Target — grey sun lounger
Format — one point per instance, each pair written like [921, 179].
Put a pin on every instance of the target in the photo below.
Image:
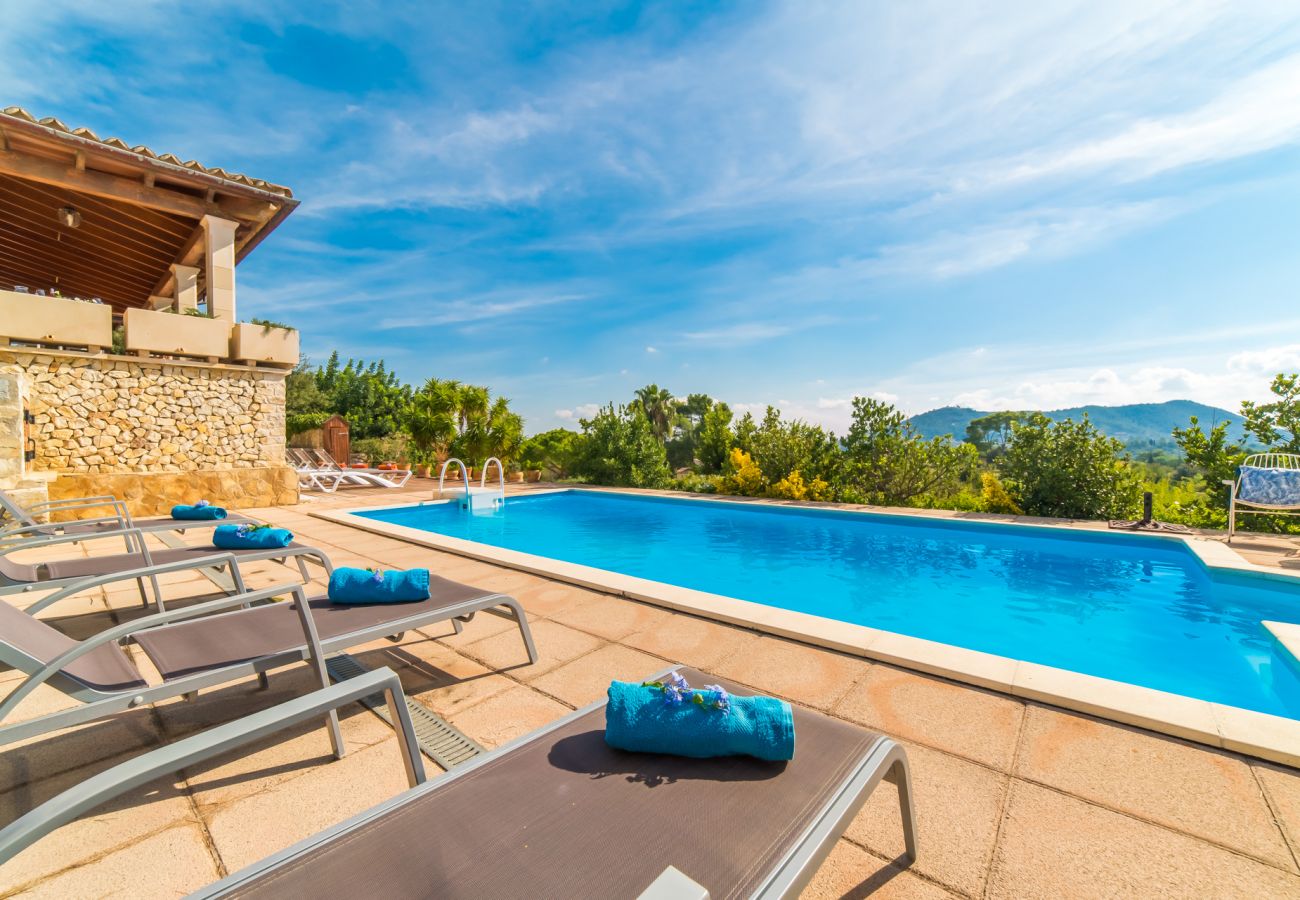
[210, 643]
[26, 519]
[19, 577]
[557, 813]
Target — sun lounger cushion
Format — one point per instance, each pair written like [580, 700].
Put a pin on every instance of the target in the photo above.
[640, 718]
[350, 585]
[187, 511]
[1269, 487]
[240, 537]
[566, 815]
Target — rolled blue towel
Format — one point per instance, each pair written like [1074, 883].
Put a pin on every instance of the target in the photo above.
[186, 511]
[638, 718]
[349, 585]
[241, 537]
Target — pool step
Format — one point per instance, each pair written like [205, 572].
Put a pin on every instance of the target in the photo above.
[1288, 635]
[438, 738]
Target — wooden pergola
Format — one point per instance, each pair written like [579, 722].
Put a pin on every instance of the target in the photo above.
[98, 218]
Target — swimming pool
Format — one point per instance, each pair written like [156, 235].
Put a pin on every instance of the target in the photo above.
[1134, 609]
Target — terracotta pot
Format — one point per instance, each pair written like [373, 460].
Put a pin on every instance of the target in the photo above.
[514, 477]
[422, 471]
[533, 475]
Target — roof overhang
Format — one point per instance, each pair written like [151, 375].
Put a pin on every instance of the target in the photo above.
[139, 212]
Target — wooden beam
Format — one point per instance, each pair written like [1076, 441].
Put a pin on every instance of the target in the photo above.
[114, 187]
[81, 161]
[191, 251]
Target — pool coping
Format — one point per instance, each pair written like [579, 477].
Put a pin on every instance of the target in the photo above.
[1275, 738]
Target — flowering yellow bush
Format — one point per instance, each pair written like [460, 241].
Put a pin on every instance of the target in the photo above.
[995, 497]
[743, 476]
[793, 487]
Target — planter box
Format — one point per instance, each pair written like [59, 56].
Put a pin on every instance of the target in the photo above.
[55, 320]
[260, 344]
[148, 331]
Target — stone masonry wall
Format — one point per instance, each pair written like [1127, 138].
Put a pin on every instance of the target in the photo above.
[153, 432]
[103, 414]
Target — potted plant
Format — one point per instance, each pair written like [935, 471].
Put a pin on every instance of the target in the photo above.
[264, 341]
[533, 475]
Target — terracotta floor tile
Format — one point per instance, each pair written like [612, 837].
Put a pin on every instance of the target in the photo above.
[556, 645]
[1211, 795]
[613, 618]
[695, 642]
[958, 806]
[587, 678]
[851, 872]
[547, 598]
[507, 715]
[979, 725]
[1055, 846]
[1282, 785]
[114, 824]
[807, 675]
[177, 862]
[265, 821]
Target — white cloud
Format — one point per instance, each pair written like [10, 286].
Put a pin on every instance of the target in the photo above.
[585, 411]
[651, 350]
[1241, 376]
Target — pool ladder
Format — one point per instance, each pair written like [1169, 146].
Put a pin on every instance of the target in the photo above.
[477, 499]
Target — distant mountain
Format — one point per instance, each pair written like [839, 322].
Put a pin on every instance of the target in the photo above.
[1138, 425]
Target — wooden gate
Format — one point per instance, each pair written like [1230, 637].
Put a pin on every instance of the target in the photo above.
[335, 439]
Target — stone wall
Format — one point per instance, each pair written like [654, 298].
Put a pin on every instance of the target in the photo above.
[154, 494]
[97, 418]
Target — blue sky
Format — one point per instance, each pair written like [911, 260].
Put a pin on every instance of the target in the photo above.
[772, 203]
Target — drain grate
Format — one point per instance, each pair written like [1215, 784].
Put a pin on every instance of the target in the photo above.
[439, 740]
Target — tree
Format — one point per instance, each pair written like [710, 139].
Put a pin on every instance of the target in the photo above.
[370, 397]
[780, 447]
[553, 451]
[886, 461]
[620, 447]
[1069, 469]
[714, 439]
[1212, 455]
[1276, 425]
[305, 405]
[660, 409]
[990, 434]
[433, 416]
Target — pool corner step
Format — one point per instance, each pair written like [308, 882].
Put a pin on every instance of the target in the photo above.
[1288, 635]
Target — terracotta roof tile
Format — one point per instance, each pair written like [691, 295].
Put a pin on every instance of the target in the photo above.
[17, 112]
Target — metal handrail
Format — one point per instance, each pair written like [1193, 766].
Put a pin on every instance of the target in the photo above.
[501, 473]
[464, 474]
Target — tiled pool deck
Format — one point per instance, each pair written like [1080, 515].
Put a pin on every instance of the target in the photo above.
[1014, 798]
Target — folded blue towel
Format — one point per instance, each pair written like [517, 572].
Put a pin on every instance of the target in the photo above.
[638, 718]
[240, 537]
[185, 511]
[349, 585]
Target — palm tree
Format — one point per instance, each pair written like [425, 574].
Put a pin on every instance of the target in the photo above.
[660, 407]
[434, 415]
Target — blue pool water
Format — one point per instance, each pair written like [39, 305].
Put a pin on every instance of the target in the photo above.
[1131, 608]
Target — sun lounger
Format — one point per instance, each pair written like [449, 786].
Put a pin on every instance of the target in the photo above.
[192, 653]
[371, 477]
[23, 521]
[74, 572]
[312, 477]
[1266, 483]
[558, 813]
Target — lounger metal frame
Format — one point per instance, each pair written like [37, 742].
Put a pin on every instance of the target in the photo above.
[885, 760]
[71, 804]
[100, 704]
[22, 522]
[150, 570]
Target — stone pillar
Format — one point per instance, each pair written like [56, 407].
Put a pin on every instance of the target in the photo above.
[219, 259]
[11, 426]
[187, 287]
